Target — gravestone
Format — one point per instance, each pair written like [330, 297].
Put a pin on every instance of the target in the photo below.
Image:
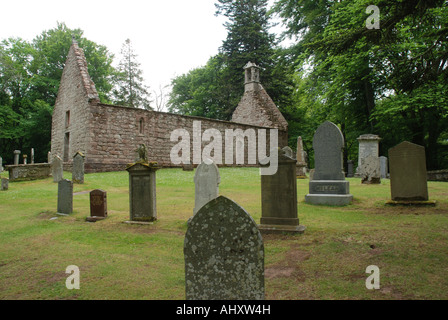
[279, 197]
[98, 205]
[370, 171]
[224, 254]
[65, 197]
[206, 181]
[408, 175]
[384, 168]
[350, 169]
[5, 184]
[57, 169]
[328, 186]
[49, 158]
[368, 145]
[16, 157]
[25, 159]
[78, 168]
[301, 160]
[142, 191]
[32, 155]
[1, 164]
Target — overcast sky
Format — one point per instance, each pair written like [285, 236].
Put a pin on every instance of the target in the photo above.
[170, 37]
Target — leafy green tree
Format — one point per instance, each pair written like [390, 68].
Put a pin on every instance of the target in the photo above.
[130, 90]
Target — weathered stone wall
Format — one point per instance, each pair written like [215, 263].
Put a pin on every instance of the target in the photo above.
[440, 175]
[73, 97]
[116, 132]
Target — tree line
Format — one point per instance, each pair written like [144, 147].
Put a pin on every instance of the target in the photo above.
[391, 81]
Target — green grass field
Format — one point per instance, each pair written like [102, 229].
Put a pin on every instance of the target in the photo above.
[120, 261]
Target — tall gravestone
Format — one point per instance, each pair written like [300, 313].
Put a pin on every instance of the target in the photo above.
[78, 168]
[65, 197]
[206, 181]
[301, 160]
[49, 157]
[17, 157]
[57, 169]
[370, 171]
[1, 164]
[32, 155]
[368, 145]
[224, 254]
[384, 167]
[408, 175]
[142, 188]
[329, 186]
[279, 197]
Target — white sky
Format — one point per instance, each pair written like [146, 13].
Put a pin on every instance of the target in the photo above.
[170, 37]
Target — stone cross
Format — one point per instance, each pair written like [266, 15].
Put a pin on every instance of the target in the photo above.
[224, 254]
[78, 168]
[65, 197]
[408, 175]
[329, 186]
[16, 157]
[206, 182]
[57, 169]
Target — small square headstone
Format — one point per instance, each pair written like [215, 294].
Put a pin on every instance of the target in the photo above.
[5, 184]
[98, 205]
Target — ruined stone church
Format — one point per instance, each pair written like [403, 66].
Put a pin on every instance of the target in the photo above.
[108, 135]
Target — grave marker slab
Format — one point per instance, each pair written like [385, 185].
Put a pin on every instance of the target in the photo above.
[328, 185]
[408, 175]
[384, 167]
[224, 254]
[142, 192]
[65, 197]
[57, 169]
[206, 181]
[368, 145]
[279, 197]
[98, 205]
[1, 164]
[5, 184]
[370, 171]
[16, 157]
[301, 160]
[78, 168]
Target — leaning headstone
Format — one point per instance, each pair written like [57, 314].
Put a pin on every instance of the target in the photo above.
[384, 167]
[78, 168]
[206, 181]
[408, 175]
[65, 197]
[279, 197]
[98, 205]
[224, 254]
[5, 184]
[301, 160]
[370, 170]
[368, 145]
[329, 186]
[142, 191]
[57, 169]
[17, 157]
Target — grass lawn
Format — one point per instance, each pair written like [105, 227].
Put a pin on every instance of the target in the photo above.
[120, 261]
